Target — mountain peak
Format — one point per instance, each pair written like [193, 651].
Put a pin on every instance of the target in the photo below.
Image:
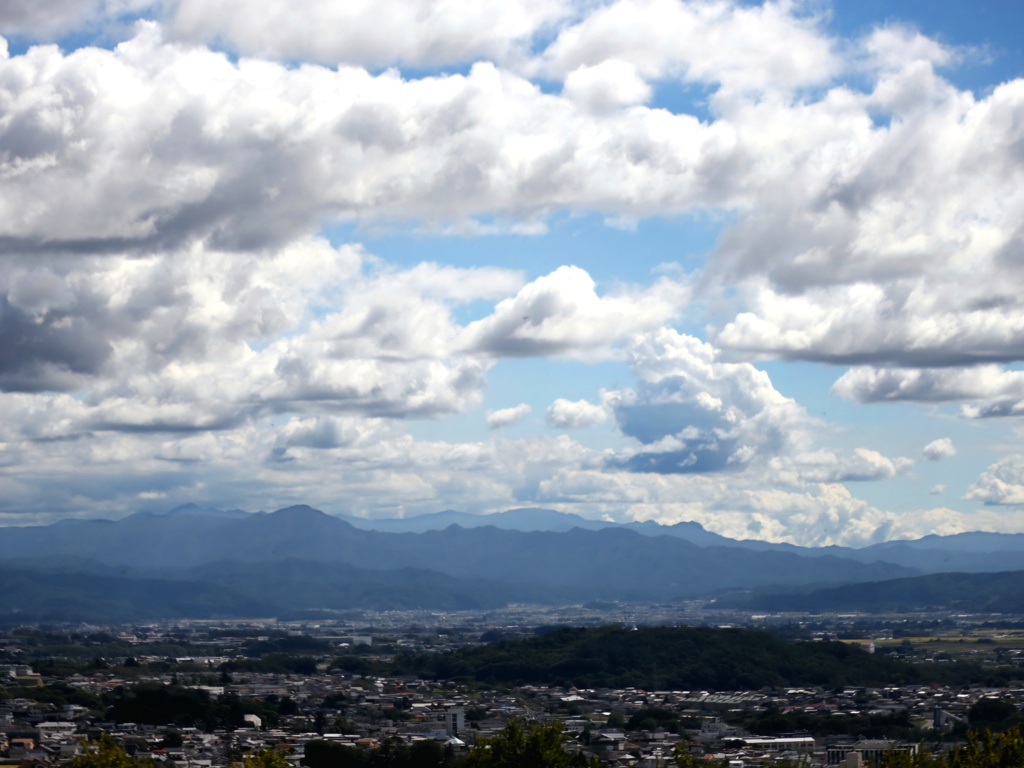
[192, 509]
[300, 511]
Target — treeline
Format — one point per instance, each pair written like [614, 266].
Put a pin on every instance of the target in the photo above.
[390, 754]
[669, 658]
[882, 725]
[533, 745]
[162, 704]
[157, 704]
[519, 745]
[981, 749]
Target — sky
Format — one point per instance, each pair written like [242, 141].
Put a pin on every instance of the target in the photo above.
[754, 265]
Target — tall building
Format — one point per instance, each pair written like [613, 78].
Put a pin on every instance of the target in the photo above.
[454, 721]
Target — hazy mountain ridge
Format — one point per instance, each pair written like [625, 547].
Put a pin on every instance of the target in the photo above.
[299, 557]
[616, 558]
[30, 592]
[1001, 592]
[976, 551]
[32, 596]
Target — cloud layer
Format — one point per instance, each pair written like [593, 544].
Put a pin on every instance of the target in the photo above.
[180, 319]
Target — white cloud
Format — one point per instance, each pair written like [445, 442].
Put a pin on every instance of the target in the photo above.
[202, 339]
[608, 85]
[154, 144]
[895, 244]
[569, 414]
[38, 21]
[85, 318]
[740, 47]
[506, 417]
[562, 314]
[755, 505]
[842, 223]
[941, 448]
[418, 33]
[379, 470]
[328, 432]
[937, 489]
[157, 143]
[991, 383]
[942, 521]
[894, 47]
[164, 307]
[990, 390]
[862, 465]
[1002, 483]
[695, 413]
[737, 45]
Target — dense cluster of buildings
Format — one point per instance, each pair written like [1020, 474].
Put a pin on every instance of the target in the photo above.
[364, 712]
[621, 727]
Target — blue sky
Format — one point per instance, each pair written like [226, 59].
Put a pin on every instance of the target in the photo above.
[749, 264]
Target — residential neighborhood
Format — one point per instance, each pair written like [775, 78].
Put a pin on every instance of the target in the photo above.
[618, 726]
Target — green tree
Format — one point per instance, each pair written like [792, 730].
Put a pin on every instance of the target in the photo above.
[104, 752]
[264, 758]
[985, 750]
[172, 738]
[523, 746]
[329, 754]
[682, 758]
[901, 758]
[430, 754]
[991, 713]
[982, 749]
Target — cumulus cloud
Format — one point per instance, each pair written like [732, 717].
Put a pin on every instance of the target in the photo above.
[695, 413]
[84, 319]
[607, 85]
[379, 469]
[992, 383]
[38, 21]
[941, 448]
[863, 465]
[569, 414]
[165, 307]
[506, 417]
[418, 33]
[54, 351]
[327, 432]
[853, 241]
[721, 42]
[994, 409]
[893, 46]
[207, 339]
[900, 253]
[1001, 484]
[937, 489]
[756, 505]
[990, 391]
[562, 314]
[736, 46]
[155, 144]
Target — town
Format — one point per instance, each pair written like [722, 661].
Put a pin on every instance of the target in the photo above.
[206, 693]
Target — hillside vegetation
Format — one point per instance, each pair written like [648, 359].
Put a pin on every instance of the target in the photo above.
[672, 658]
[971, 592]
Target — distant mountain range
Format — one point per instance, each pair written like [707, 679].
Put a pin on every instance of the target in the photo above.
[968, 552]
[236, 563]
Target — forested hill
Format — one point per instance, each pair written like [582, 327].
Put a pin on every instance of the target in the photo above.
[668, 658]
[973, 592]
